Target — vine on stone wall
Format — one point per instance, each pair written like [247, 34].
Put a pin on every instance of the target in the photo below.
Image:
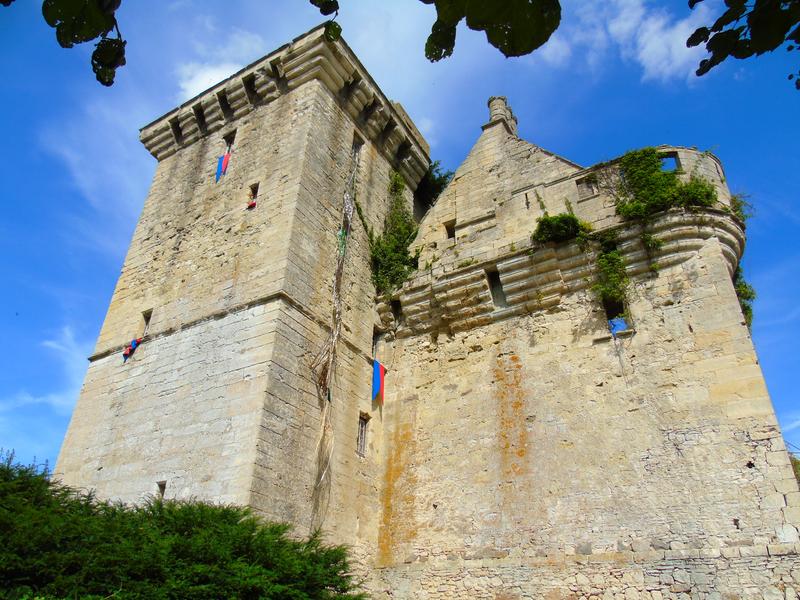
[612, 280]
[390, 258]
[559, 228]
[746, 294]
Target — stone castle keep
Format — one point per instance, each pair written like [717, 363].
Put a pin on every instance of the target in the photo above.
[521, 451]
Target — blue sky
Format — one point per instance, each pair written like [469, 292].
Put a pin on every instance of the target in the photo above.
[616, 76]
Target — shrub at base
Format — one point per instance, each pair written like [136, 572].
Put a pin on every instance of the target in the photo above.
[59, 543]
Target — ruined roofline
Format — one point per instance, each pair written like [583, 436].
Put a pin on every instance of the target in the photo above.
[537, 277]
[308, 57]
[584, 171]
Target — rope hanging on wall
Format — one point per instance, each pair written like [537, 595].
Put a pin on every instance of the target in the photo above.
[324, 362]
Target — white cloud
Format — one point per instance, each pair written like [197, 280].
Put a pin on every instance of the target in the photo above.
[70, 355]
[651, 37]
[216, 63]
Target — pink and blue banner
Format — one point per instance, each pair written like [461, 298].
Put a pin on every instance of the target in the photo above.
[378, 377]
[222, 165]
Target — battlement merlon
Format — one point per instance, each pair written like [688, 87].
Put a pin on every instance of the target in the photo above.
[308, 57]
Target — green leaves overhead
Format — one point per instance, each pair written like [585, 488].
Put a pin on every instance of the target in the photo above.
[108, 56]
[515, 27]
[748, 28]
[78, 21]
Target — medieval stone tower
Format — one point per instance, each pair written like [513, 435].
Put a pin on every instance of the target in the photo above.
[522, 451]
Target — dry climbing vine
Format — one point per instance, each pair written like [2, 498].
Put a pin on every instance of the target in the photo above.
[324, 362]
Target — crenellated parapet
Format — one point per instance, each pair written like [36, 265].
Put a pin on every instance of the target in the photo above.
[307, 58]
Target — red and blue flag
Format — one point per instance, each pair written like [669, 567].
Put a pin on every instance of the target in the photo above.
[378, 377]
[222, 165]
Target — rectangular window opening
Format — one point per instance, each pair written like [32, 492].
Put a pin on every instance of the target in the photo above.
[669, 161]
[200, 117]
[613, 308]
[397, 311]
[162, 488]
[253, 191]
[229, 138]
[177, 132]
[587, 187]
[224, 105]
[361, 441]
[377, 334]
[146, 316]
[496, 288]
[358, 144]
[249, 83]
[450, 228]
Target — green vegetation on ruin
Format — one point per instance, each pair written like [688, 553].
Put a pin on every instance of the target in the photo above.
[390, 257]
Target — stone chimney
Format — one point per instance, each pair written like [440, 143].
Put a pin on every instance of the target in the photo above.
[500, 111]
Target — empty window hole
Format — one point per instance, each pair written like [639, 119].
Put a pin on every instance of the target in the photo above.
[229, 139]
[496, 288]
[736, 523]
[146, 316]
[397, 311]
[669, 162]
[361, 441]
[613, 308]
[162, 488]
[253, 191]
[450, 228]
[377, 334]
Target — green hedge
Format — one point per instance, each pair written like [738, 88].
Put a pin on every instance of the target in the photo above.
[59, 543]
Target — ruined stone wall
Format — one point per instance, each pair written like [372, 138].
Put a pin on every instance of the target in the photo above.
[531, 455]
[541, 436]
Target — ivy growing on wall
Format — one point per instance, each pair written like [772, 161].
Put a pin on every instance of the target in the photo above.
[612, 280]
[559, 228]
[746, 294]
[644, 188]
[390, 258]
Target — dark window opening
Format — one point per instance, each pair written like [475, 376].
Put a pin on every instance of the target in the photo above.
[200, 117]
[669, 162]
[162, 487]
[224, 105]
[496, 288]
[177, 132]
[361, 441]
[450, 228]
[146, 316]
[253, 191]
[250, 90]
[229, 139]
[377, 334]
[358, 143]
[613, 308]
[397, 311]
